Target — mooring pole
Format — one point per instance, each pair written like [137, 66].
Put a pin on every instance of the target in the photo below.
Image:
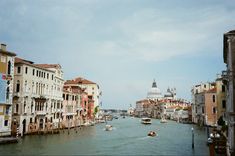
[192, 138]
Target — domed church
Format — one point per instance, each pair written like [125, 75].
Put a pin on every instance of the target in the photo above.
[154, 93]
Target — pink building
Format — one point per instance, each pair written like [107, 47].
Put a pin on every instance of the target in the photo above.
[71, 107]
[210, 107]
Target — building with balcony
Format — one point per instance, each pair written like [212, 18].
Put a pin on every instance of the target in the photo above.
[72, 110]
[198, 101]
[91, 88]
[6, 89]
[37, 100]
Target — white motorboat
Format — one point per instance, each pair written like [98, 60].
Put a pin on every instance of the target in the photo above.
[163, 121]
[146, 121]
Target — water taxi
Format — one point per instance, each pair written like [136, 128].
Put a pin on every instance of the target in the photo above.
[146, 121]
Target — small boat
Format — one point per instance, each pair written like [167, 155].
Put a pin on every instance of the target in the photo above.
[108, 127]
[115, 117]
[146, 121]
[163, 121]
[152, 133]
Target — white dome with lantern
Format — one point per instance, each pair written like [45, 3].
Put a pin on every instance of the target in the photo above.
[154, 92]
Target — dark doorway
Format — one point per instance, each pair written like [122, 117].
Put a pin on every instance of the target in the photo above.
[41, 124]
[24, 126]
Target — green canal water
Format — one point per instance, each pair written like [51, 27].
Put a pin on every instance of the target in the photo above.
[129, 137]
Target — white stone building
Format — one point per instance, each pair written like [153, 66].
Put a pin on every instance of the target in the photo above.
[37, 98]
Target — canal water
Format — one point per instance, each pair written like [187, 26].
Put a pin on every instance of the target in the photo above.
[129, 137]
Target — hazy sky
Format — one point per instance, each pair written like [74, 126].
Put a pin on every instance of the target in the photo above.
[122, 44]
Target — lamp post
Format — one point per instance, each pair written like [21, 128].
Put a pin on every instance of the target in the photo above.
[192, 138]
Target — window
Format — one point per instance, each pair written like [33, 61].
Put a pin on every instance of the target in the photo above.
[214, 110]
[17, 108]
[32, 107]
[9, 68]
[204, 86]
[223, 88]
[31, 120]
[7, 93]
[6, 123]
[64, 96]
[26, 70]
[18, 70]
[33, 72]
[3, 59]
[213, 98]
[7, 109]
[47, 76]
[52, 76]
[37, 73]
[18, 86]
[202, 110]
[223, 103]
[24, 106]
[67, 97]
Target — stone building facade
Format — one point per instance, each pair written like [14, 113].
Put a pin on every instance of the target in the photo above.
[6, 89]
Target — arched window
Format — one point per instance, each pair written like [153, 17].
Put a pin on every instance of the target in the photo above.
[32, 87]
[24, 106]
[213, 98]
[32, 107]
[18, 86]
[25, 86]
[36, 88]
[17, 108]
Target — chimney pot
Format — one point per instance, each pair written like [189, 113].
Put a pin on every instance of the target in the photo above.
[3, 47]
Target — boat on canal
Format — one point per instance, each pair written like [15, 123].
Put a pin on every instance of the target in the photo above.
[152, 134]
[146, 121]
[108, 127]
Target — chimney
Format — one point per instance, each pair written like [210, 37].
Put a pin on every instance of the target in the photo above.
[3, 47]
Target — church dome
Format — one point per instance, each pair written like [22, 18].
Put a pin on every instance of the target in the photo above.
[154, 92]
[169, 93]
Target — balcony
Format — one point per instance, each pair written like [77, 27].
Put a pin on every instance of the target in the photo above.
[17, 94]
[69, 113]
[79, 108]
[40, 112]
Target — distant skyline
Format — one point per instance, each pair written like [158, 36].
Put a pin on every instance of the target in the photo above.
[122, 45]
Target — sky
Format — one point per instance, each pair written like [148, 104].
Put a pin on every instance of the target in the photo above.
[122, 45]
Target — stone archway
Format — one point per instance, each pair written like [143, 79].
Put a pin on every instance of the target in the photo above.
[41, 124]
